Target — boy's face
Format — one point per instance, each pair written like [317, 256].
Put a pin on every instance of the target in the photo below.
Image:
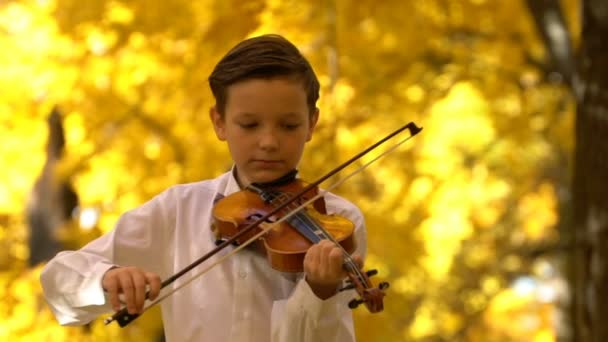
[266, 124]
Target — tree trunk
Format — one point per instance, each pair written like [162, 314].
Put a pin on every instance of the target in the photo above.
[590, 185]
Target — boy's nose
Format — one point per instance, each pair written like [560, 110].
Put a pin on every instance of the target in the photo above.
[269, 141]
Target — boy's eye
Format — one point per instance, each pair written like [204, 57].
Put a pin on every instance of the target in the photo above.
[291, 125]
[248, 125]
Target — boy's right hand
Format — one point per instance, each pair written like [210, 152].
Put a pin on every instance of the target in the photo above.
[132, 283]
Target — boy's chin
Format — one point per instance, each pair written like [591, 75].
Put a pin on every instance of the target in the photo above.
[265, 176]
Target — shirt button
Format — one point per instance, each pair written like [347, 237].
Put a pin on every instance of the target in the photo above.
[243, 274]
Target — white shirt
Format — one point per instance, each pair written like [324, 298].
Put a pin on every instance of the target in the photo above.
[241, 299]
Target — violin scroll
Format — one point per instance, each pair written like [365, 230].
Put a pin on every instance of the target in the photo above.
[372, 297]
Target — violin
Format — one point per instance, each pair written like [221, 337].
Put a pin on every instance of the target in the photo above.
[280, 221]
[286, 244]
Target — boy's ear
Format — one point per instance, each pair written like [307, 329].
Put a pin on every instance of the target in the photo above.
[313, 122]
[218, 123]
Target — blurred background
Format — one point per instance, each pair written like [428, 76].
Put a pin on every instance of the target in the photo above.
[104, 104]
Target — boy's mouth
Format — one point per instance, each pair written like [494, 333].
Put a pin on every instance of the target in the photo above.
[266, 163]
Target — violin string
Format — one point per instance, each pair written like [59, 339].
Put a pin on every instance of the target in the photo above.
[264, 230]
[310, 223]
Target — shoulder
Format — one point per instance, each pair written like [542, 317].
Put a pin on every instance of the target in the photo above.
[181, 194]
[338, 205]
[194, 189]
[341, 206]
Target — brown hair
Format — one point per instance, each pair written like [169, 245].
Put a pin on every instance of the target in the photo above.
[265, 56]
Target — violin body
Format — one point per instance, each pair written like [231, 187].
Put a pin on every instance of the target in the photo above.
[284, 246]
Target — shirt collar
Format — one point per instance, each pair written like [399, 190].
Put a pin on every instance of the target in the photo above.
[232, 185]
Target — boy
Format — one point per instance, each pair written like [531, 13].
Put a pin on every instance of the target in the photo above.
[265, 110]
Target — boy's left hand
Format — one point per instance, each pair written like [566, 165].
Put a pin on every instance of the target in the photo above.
[323, 268]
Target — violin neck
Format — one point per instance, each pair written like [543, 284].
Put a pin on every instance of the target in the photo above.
[310, 228]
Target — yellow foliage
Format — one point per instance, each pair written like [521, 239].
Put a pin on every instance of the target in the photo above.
[544, 335]
[490, 285]
[119, 13]
[97, 40]
[423, 325]
[461, 120]
[442, 237]
[539, 213]
[513, 314]
[415, 93]
[420, 189]
[131, 83]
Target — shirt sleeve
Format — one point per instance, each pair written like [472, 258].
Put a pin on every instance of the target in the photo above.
[71, 281]
[303, 317]
[306, 318]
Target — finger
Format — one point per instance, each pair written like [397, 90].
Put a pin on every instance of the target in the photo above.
[335, 261]
[326, 243]
[154, 282]
[325, 261]
[111, 286]
[358, 260]
[128, 290]
[139, 289]
[311, 261]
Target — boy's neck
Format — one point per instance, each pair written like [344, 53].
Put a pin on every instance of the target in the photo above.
[283, 180]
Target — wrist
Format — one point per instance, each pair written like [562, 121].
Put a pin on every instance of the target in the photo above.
[323, 290]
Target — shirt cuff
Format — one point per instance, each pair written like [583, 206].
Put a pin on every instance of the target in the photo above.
[91, 291]
[315, 307]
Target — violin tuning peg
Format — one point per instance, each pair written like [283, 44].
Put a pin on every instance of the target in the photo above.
[371, 273]
[355, 302]
[383, 285]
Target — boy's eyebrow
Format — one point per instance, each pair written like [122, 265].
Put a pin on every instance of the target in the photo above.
[255, 115]
[290, 114]
[245, 114]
